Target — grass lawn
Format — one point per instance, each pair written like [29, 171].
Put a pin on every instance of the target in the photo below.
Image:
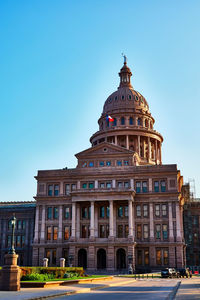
[66, 279]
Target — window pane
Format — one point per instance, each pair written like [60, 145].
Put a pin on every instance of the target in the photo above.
[158, 230]
[146, 231]
[138, 187]
[18, 241]
[23, 240]
[49, 213]
[126, 162]
[139, 256]
[158, 257]
[107, 211]
[55, 233]
[165, 233]
[157, 210]
[84, 185]
[102, 185]
[120, 184]
[156, 186]
[139, 231]
[126, 211]
[144, 186]
[102, 212]
[119, 163]
[56, 190]
[67, 213]
[102, 231]
[73, 187]
[48, 233]
[91, 185]
[84, 231]
[146, 257]
[145, 210]
[23, 224]
[163, 186]
[19, 224]
[126, 184]
[166, 257]
[126, 231]
[120, 231]
[84, 212]
[55, 213]
[66, 232]
[120, 211]
[164, 209]
[54, 257]
[67, 189]
[50, 190]
[108, 185]
[108, 163]
[138, 211]
[101, 163]
[91, 164]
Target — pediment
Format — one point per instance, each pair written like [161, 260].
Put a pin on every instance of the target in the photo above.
[104, 149]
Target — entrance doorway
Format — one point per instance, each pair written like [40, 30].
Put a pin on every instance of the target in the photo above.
[82, 258]
[101, 259]
[121, 259]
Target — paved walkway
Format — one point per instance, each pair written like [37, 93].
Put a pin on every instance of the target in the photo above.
[39, 293]
[189, 289]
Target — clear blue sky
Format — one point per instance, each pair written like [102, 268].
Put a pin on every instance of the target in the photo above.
[60, 61]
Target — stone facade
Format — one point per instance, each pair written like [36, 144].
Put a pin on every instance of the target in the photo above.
[120, 206]
[25, 215]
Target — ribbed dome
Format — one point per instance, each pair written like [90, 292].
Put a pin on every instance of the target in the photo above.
[125, 99]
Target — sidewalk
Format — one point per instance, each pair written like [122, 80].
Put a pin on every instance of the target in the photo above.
[189, 289]
[39, 293]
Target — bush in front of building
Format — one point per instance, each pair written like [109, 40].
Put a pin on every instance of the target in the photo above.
[37, 277]
[57, 272]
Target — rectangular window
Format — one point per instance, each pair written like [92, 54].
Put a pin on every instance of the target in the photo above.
[91, 164]
[108, 163]
[126, 185]
[126, 211]
[49, 213]
[23, 240]
[164, 210]
[102, 212]
[67, 189]
[138, 211]
[145, 210]
[18, 242]
[126, 231]
[166, 257]
[56, 190]
[9, 241]
[19, 224]
[54, 257]
[108, 185]
[55, 233]
[120, 212]
[91, 185]
[163, 186]
[146, 257]
[126, 163]
[84, 231]
[73, 187]
[158, 231]
[67, 213]
[157, 210]
[158, 257]
[84, 185]
[102, 231]
[50, 190]
[23, 224]
[120, 184]
[101, 163]
[66, 232]
[107, 231]
[165, 232]
[119, 163]
[138, 187]
[107, 211]
[139, 231]
[102, 185]
[120, 231]
[84, 212]
[55, 213]
[146, 231]
[49, 233]
[144, 186]
[139, 257]
[156, 186]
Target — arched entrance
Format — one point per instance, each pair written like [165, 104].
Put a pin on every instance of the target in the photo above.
[101, 259]
[82, 258]
[121, 259]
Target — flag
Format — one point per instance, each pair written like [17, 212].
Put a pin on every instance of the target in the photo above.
[109, 118]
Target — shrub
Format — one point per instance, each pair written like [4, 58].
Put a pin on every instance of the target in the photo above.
[58, 272]
[38, 277]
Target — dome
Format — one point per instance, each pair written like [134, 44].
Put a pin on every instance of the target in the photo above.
[125, 99]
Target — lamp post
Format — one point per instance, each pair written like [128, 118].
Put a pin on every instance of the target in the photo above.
[12, 249]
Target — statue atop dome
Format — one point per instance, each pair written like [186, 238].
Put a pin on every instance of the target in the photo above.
[125, 58]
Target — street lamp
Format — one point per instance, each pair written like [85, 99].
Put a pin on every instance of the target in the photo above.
[13, 223]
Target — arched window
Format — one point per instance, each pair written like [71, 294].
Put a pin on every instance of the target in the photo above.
[122, 121]
[131, 121]
[139, 122]
[146, 123]
[115, 122]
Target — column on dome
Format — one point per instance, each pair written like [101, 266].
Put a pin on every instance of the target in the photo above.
[111, 219]
[92, 220]
[115, 139]
[149, 148]
[156, 150]
[139, 145]
[127, 141]
[126, 121]
[144, 147]
[160, 153]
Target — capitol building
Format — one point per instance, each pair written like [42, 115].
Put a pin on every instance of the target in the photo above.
[120, 206]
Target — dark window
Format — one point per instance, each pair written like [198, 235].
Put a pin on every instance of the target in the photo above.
[66, 232]
[108, 163]
[50, 190]
[9, 224]
[9, 241]
[144, 186]
[166, 257]
[158, 257]
[126, 184]
[23, 240]
[101, 163]
[56, 190]
[91, 185]
[126, 162]
[146, 257]
[84, 212]
[19, 224]
[49, 213]
[165, 233]
[18, 241]
[84, 185]
[126, 231]
[53, 257]
[102, 185]
[131, 121]
[120, 184]
[23, 224]
[102, 231]
[120, 231]
[157, 210]
[156, 186]
[102, 212]
[158, 230]
[138, 211]
[55, 213]
[67, 189]
[49, 233]
[120, 212]
[139, 231]
[139, 122]
[119, 163]
[138, 187]
[139, 257]
[163, 186]
[115, 122]
[84, 231]
[107, 211]
[67, 213]
[73, 187]
[108, 185]
[91, 164]
[126, 211]
[122, 121]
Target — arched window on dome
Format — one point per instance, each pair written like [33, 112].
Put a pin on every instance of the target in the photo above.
[146, 123]
[139, 121]
[151, 125]
[122, 121]
[130, 121]
[115, 122]
[107, 123]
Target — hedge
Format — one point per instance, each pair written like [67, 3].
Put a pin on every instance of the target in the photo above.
[58, 272]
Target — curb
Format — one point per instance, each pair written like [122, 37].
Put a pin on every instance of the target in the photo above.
[84, 290]
[173, 293]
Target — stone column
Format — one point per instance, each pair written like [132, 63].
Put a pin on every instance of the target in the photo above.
[42, 236]
[150, 184]
[156, 151]
[115, 139]
[139, 145]
[160, 153]
[151, 222]
[149, 147]
[60, 223]
[78, 215]
[130, 218]
[178, 223]
[96, 184]
[171, 234]
[114, 218]
[61, 188]
[78, 185]
[73, 220]
[92, 220]
[113, 183]
[111, 220]
[36, 224]
[132, 183]
[127, 141]
[96, 221]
